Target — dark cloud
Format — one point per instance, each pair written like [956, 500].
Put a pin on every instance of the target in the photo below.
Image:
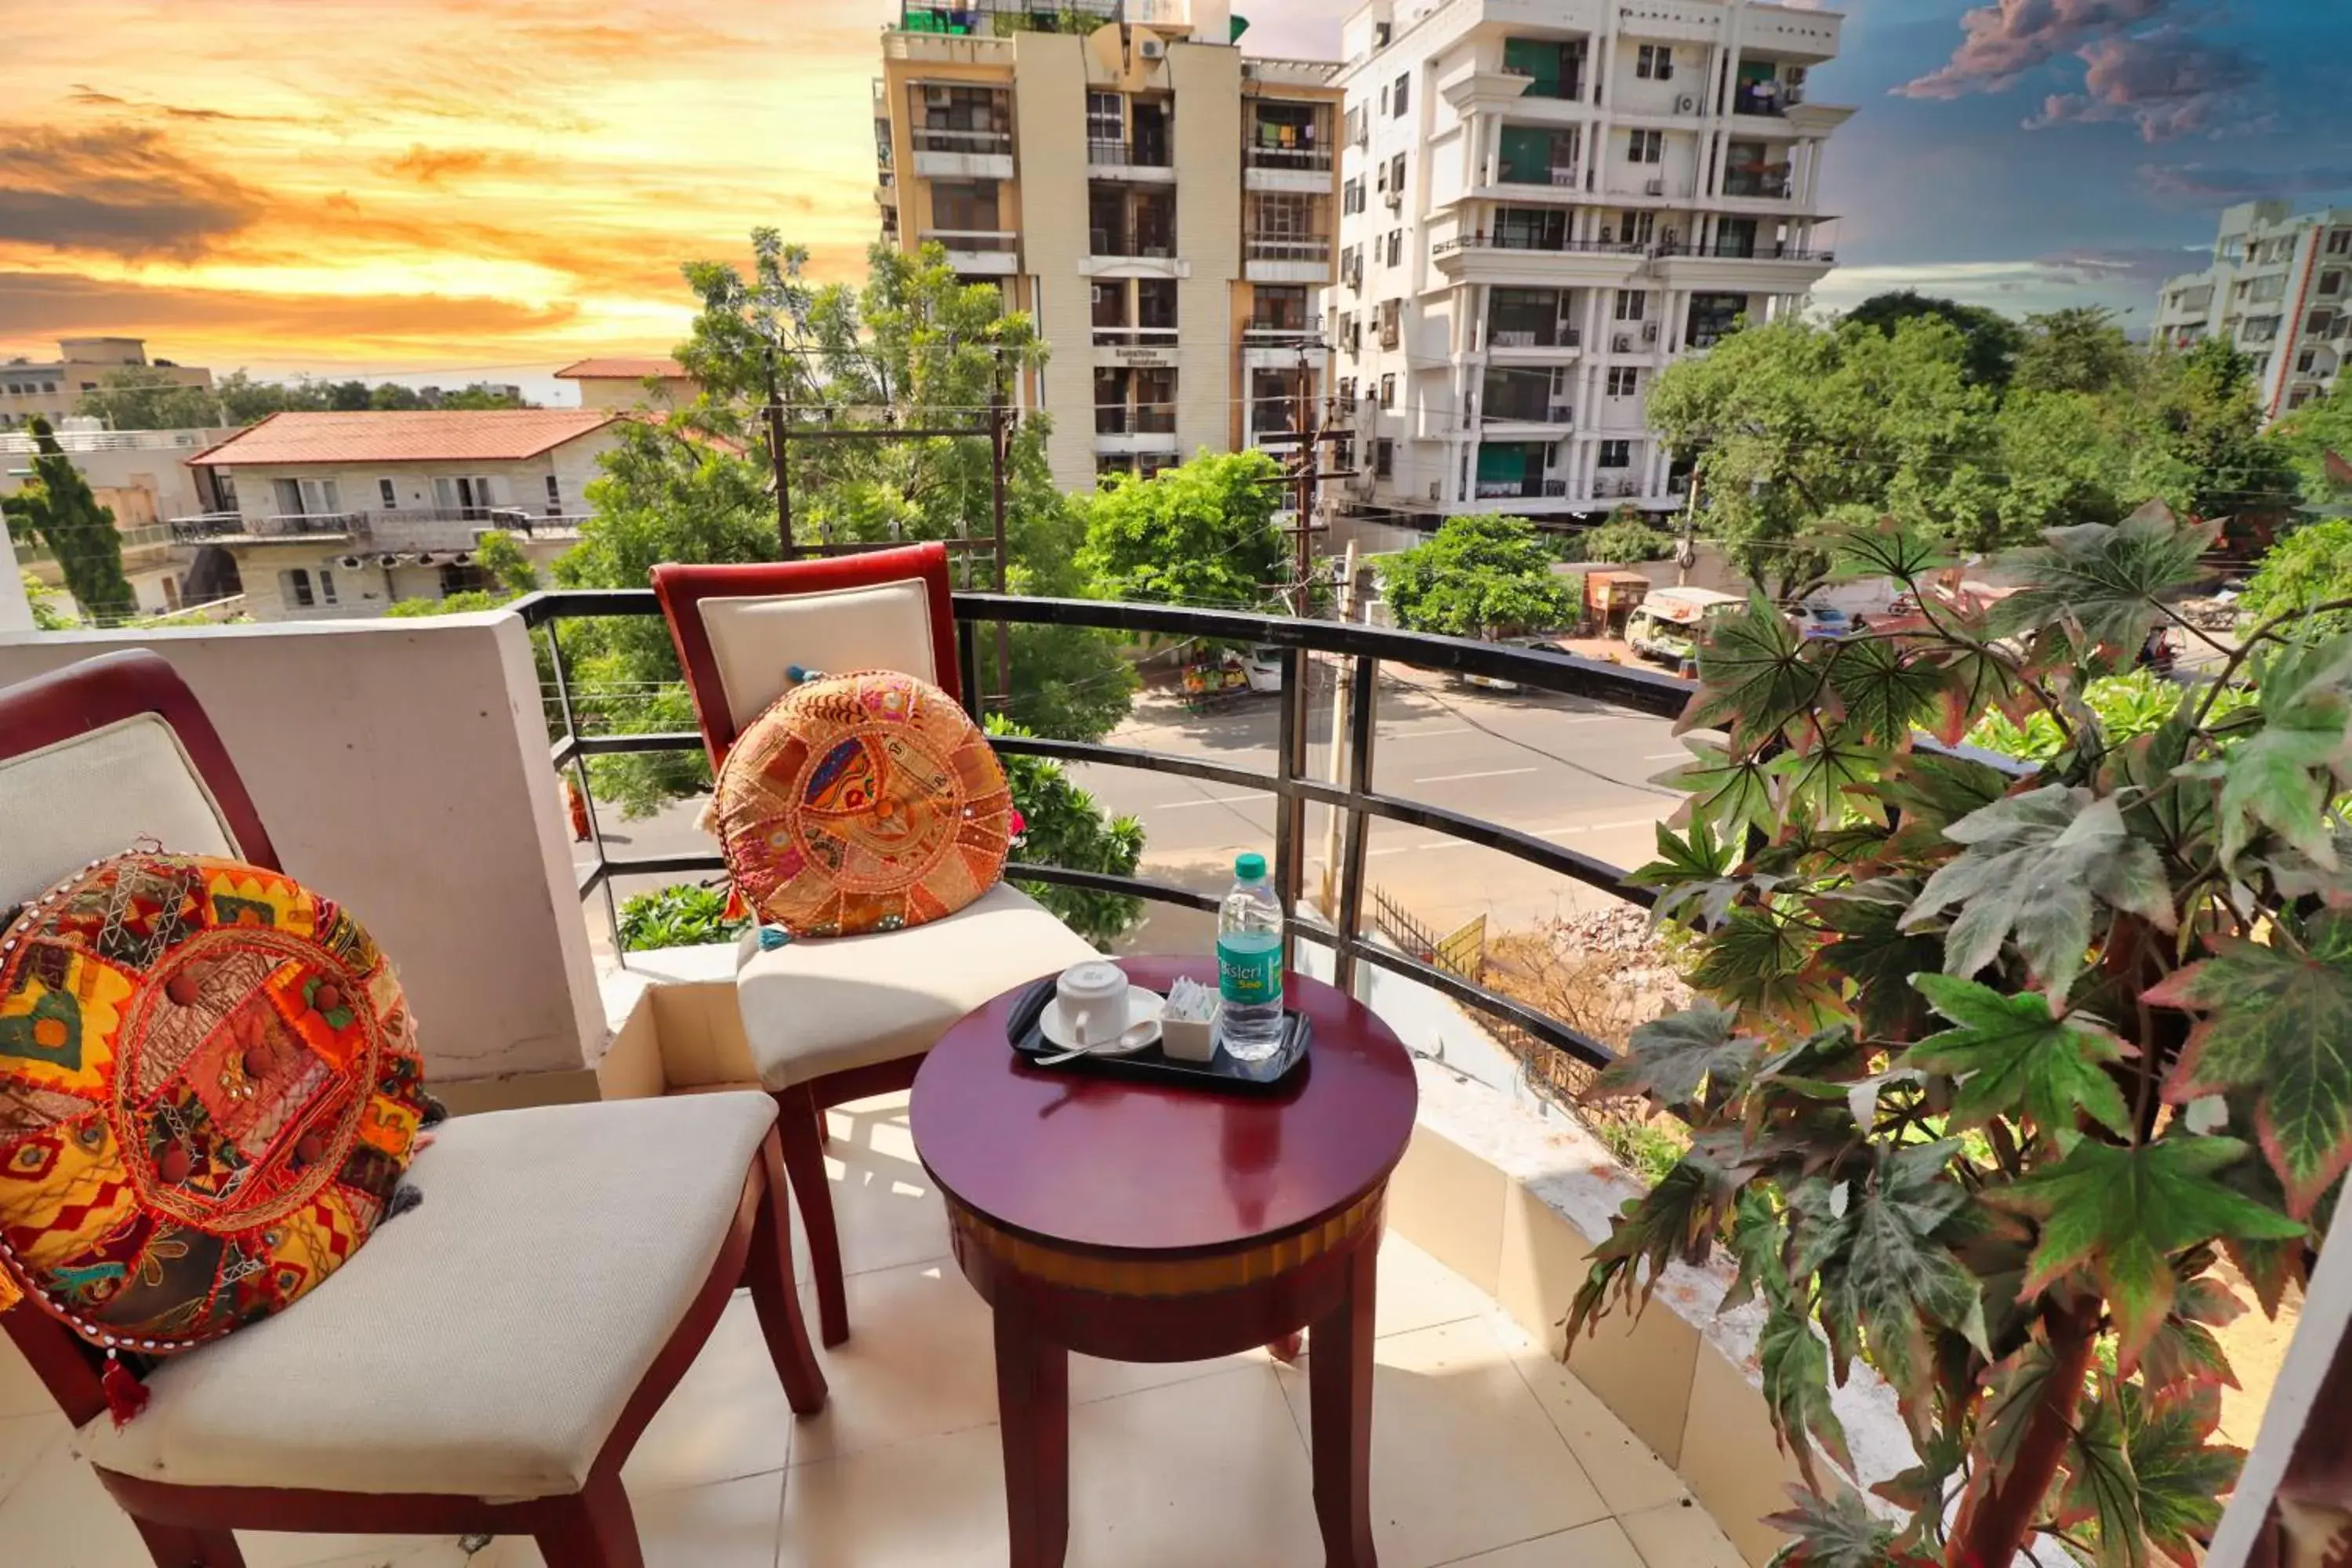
[2007, 39]
[2198, 185]
[121, 190]
[39, 306]
[2169, 83]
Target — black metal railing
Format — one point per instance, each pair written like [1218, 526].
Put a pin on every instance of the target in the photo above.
[1349, 933]
[1109, 152]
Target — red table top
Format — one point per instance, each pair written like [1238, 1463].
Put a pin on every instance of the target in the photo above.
[1074, 1157]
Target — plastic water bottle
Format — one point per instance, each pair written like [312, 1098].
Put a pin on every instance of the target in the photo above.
[1249, 964]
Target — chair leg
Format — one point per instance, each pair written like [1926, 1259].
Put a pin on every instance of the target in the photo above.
[173, 1546]
[797, 1123]
[768, 1269]
[593, 1529]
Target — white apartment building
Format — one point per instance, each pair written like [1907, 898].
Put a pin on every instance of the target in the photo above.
[323, 516]
[2279, 292]
[1545, 203]
[141, 476]
[1163, 207]
[52, 389]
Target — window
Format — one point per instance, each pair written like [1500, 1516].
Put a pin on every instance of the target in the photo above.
[964, 206]
[1632, 305]
[294, 588]
[389, 494]
[1396, 247]
[554, 496]
[1391, 324]
[1655, 62]
[1640, 228]
[1387, 392]
[326, 586]
[1356, 132]
[1105, 118]
[1155, 303]
[1624, 381]
[469, 498]
[1396, 174]
[2309, 359]
[2340, 243]
[1616, 454]
[1384, 459]
[1351, 196]
[1403, 94]
[2331, 282]
[1647, 147]
[1384, 100]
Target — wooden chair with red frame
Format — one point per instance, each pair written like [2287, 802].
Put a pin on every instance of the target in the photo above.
[835, 1019]
[487, 1361]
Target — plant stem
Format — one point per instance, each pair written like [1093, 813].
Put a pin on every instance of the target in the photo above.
[1992, 1535]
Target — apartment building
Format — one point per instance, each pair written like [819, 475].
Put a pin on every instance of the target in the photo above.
[141, 476]
[658, 386]
[321, 516]
[1164, 206]
[2279, 292]
[53, 389]
[1544, 204]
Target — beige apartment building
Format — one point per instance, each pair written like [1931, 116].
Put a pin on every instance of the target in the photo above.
[657, 385]
[52, 389]
[1164, 205]
[2279, 292]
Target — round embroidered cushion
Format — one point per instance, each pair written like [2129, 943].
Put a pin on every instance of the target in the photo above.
[862, 803]
[209, 1090]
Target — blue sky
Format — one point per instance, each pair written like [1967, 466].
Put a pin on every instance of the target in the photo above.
[2034, 153]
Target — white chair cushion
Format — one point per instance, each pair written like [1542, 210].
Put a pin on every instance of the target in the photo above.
[97, 794]
[754, 639]
[822, 1005]
[484, 1343]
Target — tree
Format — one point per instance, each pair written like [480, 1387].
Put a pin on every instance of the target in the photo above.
[2306, 438]
[144, 397]
[1627, 539]
[43, 599]
[57, 508]
[1062, 825]
[1966, 1039]
[2081, 349]
[1202, 534]
[2310, 567]
[2205, 453]
[1993, 339]
[1479, 577]
[1798, 428]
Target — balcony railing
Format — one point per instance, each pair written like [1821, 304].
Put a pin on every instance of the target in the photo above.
[927, 140]
[1752, 98]
[1552, 335]
[1289, 248]
[1350, 931]
[1109, 152]
[365, 525]
[1523, 490]
[1768, 188]
[1001, 242]
[1309, 160]
[1539, 244]
[1139, 419]
[1563, 177]
[1729, 251]
[1259, 334]
[1135, 337]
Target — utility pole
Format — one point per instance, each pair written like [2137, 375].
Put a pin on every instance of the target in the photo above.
[775, 415]
[1342, 699]
[1310, 463]
[1686, 552]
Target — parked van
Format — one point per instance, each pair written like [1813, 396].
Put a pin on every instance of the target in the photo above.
[1668, 624]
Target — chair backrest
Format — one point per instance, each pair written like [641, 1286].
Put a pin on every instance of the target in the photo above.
[739, 629]
[93, 758]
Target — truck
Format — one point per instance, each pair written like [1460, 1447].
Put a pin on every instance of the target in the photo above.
[1667, 626]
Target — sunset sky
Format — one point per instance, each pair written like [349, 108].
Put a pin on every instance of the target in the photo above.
[484, 189]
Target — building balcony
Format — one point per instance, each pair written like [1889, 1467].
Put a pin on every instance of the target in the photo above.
[413, 769]
[1146, 163]
[435, 527]
[1548, 342]
[963, 155]
[1121, 346]
[1304, 170]
[993, 253]
[1287, 258]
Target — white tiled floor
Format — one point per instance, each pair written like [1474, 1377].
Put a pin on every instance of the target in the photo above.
[1486, 1453]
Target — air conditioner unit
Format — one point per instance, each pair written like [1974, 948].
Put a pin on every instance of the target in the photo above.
[1687, 104]
[1623, 344]
[1152, 50]
[1563, 414]
[939, 98]
[1563, 177]
[1434, 489]
[1796, 76]
[1649, 332]
[1394, 198]
[1655, 188]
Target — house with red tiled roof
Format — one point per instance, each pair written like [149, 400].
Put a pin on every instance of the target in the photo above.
[620, 383]
[331, 515]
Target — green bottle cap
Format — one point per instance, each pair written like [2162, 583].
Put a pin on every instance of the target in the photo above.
[1250, 868]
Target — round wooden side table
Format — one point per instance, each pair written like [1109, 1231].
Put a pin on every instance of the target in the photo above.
[1138, 1221]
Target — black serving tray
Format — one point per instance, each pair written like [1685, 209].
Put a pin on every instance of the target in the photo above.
[1219, 1072]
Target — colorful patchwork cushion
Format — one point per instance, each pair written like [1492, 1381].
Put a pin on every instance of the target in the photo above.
[209, 1090]
[863, 803]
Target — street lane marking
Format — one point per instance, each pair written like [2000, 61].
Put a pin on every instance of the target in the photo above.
[1208, 800]
[1458, 778]
[1595, 828]
[1430, 735]
[1671, 757]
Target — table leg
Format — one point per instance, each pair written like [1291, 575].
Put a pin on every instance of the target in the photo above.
[1340, 1393]
[1033, 1404]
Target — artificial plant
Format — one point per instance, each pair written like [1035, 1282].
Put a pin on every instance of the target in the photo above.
[1991, 1065]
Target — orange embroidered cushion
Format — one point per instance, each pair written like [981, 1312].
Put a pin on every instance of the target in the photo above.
[209, 1090]
[863, 803]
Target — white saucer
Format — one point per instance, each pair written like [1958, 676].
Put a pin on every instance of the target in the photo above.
[1142, 1006]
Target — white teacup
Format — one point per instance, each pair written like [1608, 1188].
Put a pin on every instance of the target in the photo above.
[1093, 996]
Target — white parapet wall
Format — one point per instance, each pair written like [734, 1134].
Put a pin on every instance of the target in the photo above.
[402, 768]
[15, 610]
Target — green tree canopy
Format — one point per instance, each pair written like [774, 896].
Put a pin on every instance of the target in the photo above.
[57, 508]
[2081, 349]
[2306, 438]
[1993, 339]
[146, 397]
[2310, 567]
[1202, 534]
[1479, 577]
[1627, 539]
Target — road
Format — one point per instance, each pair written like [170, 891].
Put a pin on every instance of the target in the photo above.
[1574, 771]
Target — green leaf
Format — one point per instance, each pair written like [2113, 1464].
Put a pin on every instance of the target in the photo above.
[1796, 1374]
[1821, 780]
[1976, 679]
[1886, 548]
[2011, 1055]
[2123, 1213]
[1885, 1268]
[2183, 1352]
[1759, 1237]
[1670, 1058]
[2100, 1489]
[1877, 956]
[1674, 1221]
[1689, 876]
[1934, 790]
[1733, 793]
[2182, 1473]
[2280, 1021]
[2033, 865]
[2015, 1389]
[1886, 691]
[1833, 1533]
[1754, 681]
[2102, 584]
[2282, 776]
[1762, 958]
